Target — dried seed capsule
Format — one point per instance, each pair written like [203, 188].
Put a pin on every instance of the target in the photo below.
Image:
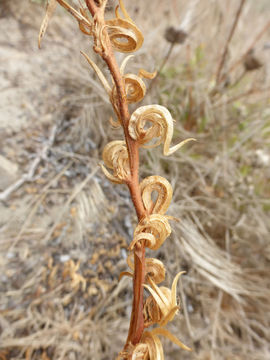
[164, 191]
[153, 230]
[161, 126]
[115, 156]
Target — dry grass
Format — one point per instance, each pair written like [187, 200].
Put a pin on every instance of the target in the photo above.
[64, 234]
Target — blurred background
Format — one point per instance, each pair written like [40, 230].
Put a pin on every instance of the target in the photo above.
[64, 229]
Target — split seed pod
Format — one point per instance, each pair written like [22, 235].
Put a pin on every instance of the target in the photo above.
[161, 126]
[165, 299]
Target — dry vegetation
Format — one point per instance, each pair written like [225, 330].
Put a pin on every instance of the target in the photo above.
[65, 229]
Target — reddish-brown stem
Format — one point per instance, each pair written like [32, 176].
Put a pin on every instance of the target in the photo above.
[137, 321]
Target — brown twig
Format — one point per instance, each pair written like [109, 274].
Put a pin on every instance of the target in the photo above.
[226, 47]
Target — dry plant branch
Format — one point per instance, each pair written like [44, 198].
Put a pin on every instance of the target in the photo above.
[148, 126]
[249, 48]
[226, 47]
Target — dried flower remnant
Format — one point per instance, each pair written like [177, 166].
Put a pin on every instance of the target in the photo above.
[175, 36]
[147, 127]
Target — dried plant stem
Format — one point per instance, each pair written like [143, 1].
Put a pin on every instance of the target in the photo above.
[137, 321]
[122, 157]
[164, 62]
[225, 51]
[250, 47]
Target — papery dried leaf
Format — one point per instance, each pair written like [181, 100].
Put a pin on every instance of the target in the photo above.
[161, 127]
[164, 191]
[51, 5]
[115, 156]
[99, 73]
[153, 230]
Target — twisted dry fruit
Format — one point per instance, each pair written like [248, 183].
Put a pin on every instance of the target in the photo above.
[165, 299]
[163, 190]
[161, 126]
[115, 156]
[153, 230]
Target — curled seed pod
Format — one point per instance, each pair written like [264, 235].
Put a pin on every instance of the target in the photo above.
[155, 270]
[153, 230]
[124, 35]
[161, 127]
[165, 299]
[115, 156]
[158, 184]
[135, 88]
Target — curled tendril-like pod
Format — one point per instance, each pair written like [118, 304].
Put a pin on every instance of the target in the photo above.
[135, 88]
[115, 156]
[165, 298]
[155, 270]
[156, 185]
[161, 126]
[125, 36]
[123, 33]
[134, 85]
[153, 230]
